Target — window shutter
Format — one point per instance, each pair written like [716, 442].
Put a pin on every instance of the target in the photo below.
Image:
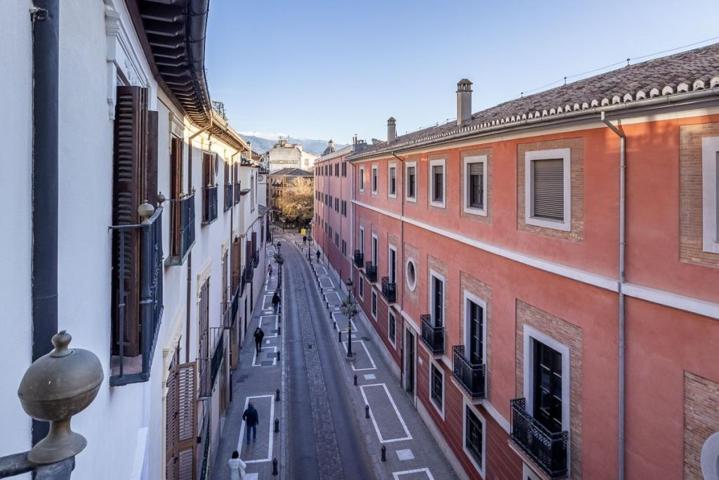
[129, 154]
[548, 189]
[171, 425]
[152, 151]
[236, 263]
[186, 421]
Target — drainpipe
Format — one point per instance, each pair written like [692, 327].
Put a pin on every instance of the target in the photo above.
[622, 242]
[401, 240]
[45, 17]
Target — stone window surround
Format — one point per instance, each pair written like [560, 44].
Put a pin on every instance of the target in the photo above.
[373, 304]
[529, 218]
[710, 196]
[466, 161]
[411, 278]
[433, 163]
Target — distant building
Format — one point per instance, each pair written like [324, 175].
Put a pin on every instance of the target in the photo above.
[289, 155]
[281, 179]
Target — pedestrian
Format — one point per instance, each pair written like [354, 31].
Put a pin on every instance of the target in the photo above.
[276, 301]
[237, 466]
[259, 335]
[318, 256]
[251, 418]
[269, 268]
[304, 239]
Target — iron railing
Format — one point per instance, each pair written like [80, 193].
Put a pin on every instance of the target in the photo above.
[547, 449]
[150, 308]
[209, 366]
[185, 217]
[209, 204]
[248, 272]
[359, 259]
[228, 199]
[432, 335]
[389, 290]
[470, 375]
[371, 272]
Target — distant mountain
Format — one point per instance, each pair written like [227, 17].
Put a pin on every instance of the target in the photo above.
[262, 144]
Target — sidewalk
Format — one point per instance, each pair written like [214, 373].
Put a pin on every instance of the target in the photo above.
[257, 379]
[411, 451]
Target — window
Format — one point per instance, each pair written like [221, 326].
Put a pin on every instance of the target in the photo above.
[361, 240]
[547, 185]
[374, 304]
[392, 264]
[411, 181]
[204, 337]
[337, 204]
[361, 179]
[392, 328]
[375, 251]
[436, 299]
[392, 181]
[474, 438]
[710, 193]
[436, 183]
[411, 274]
[361, 288]
[474, 329]
[337, 240]
[344, 168]
[337, 169]
[374, 179]
[436, 387]
[475, 184]
[344, 247]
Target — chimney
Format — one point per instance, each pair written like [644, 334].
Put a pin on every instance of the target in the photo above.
[464, 102]
[391, 129]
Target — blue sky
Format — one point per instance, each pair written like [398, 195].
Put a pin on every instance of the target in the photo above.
[329, 69]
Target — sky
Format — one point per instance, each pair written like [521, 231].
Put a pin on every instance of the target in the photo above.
[331, 69]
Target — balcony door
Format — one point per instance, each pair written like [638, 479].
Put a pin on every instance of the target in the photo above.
[474, 325]
[547, 401]
[437, 299]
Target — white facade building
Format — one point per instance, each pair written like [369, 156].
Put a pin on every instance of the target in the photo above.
[111, 70]
[290, 155]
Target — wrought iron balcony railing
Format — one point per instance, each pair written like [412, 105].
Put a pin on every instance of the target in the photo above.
[183, 228]
[470, 375]
[547, 449]
[125, 368]
[359, 259]
[389, 290]
[210, 365]
[432, 335]
[248, 272]
[371, 272]
[228, 199]
[209, 204]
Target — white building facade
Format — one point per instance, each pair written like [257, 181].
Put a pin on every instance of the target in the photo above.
[290, 155]
[161, 295]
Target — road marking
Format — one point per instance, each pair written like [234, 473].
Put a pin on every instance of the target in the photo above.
[407, 436]
[371, 361]
[370, 376]
[405, 454]
[264, 299]
[262, 317]
[337, 321]
[425, 470]
[240, 440]
[274, 358]
[328, 280]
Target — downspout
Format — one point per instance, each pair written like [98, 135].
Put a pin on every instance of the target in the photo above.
[401, 240]
[45, 18]
[620, 284]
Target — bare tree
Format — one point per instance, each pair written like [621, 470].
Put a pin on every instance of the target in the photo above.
[296, 201]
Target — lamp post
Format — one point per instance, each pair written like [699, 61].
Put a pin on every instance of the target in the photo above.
[309, 249]
[349, 309]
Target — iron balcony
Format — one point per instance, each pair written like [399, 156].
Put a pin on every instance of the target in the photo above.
[209, 366]
[209, 204]
[389, 290]
[183, 222]
[472, 376]
[371, 272]
[547, 449]
[228, 196]
[432, 335]
[359, 259]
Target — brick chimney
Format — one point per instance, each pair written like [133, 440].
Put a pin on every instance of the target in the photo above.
[391, 129]
[464, 102]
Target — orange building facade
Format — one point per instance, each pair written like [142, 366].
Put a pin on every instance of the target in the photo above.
[545, 273]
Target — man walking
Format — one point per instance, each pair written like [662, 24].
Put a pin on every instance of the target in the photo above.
[251, 418]
[259, 335]
[276, 301]
[318, 256]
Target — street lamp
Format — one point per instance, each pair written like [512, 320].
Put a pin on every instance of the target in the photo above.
[309, 249]
[279, 246]
[349, 309]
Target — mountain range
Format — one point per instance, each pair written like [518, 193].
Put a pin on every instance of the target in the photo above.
[264, 143]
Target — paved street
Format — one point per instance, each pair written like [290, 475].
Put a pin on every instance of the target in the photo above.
[324, 432]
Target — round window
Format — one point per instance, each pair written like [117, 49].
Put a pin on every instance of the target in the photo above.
[411, 274]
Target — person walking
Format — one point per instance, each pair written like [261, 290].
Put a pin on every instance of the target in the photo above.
[304, 239]
[276, 301]
[259, 335]
[237, 466]
[269, 269]
[251, 418]
[318, 256]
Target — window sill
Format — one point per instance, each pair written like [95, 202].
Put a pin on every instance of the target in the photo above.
[437, 204]
[411, 199]
[710, 247]
[548, 223]
[476, 211]
[205, 223]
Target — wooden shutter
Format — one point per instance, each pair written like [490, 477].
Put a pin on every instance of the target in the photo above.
[172, 425]
[128, 185]
[548, 188]
[186, 399]
[150, 193]
[236, 259]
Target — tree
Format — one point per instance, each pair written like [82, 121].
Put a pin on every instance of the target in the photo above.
[296, 201]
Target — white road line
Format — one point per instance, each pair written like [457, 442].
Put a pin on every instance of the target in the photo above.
[241, 440]
[425, 470]
[354, 325]
[408, 436]
[274, 358]
[264, 299]
[276, 324]
[371, 361]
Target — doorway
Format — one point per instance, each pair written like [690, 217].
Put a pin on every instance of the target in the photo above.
[409, 362]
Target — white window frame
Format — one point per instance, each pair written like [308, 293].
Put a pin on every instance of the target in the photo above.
[375, 249]
[470, 297]
[391, 248]
[393, 341]
[433, 163]
[361, 179]
[406, 181]
[411, 284]
[429, 385]
[360, 289]
[710, 194]
[374, 179]
[480, 468]
[361, 242]
[440, 277]
[373, 304]
[465, 176]
[392, 166]
[530, 333]
[529, 218]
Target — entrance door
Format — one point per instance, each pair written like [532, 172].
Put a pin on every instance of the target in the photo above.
[409, 360]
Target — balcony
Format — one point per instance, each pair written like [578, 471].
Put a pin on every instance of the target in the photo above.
[127, 366]
[471, 376]
[389, 290]
[237, 193]
[432, 336]
[371, 272]
[209, 204]
[248, 273]
[547, 449]
[182, 228]
[210, 365]
[359, 259]
[228, 199]
[256, 259]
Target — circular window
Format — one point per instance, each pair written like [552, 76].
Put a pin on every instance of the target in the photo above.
[710, 457]
[411, 274]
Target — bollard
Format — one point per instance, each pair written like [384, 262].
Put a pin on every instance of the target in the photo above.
[279, 330]
[274, 467]
[339, 336]
[334, 324]
[355, 381]
[278, 355]
[277, 395]
[366, 411]
[383, 453]
[277, 425]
